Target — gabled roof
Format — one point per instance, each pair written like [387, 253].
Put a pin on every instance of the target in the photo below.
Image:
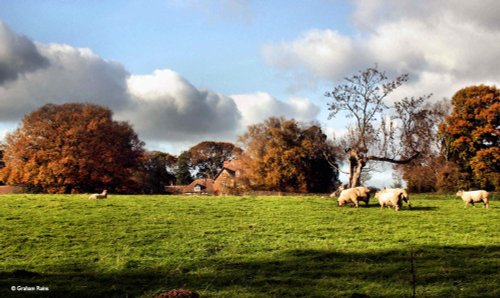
[231, 166]
[207, 185]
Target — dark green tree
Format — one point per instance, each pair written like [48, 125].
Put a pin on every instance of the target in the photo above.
[207, 158]
[183, 173]
[157, 171]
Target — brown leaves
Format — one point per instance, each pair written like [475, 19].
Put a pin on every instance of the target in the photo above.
[71, 147]
[472, 132]
[281, 155]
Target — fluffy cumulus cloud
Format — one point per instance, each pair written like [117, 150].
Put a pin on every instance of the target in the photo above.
[166, 106]
[71, 75]
[443, 45]
[162, 106]
[259, 106]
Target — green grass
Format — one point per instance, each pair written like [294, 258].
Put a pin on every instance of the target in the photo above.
[139, 246]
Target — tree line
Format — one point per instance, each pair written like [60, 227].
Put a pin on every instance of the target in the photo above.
[439, 146]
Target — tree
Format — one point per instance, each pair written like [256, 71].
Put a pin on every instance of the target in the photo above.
[423, 173]
[283, 155]
[71, 148]
[183, 173]
[379, 132]
[207, 158]
[156, 172]
[471, 136]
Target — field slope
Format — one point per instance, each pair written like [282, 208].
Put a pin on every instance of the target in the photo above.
[138, 246]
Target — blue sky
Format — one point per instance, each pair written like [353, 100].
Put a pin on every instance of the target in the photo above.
[186, 71]
[212, 43]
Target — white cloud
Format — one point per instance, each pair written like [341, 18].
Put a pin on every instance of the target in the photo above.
[437, 42]
[320, 53]
[370, 13]
[162, 106]
[259, 106]
[72, 75]
[167, 107]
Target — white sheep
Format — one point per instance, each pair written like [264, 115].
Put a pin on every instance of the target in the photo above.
[354, 195]
[392, 197]
[402, 192]
[475, 196]
[102, 195]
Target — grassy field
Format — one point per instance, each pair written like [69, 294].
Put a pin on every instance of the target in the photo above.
[139, 246]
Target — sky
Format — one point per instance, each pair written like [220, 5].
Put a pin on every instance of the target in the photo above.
[185, 71]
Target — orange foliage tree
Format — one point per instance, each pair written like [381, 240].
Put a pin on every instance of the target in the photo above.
[71, 148]
[283, 155]
[471, 136]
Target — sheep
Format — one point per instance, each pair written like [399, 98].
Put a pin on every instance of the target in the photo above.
[102, 195]
[354, 195]
[390, 197]
[476, 196]
[400, 191]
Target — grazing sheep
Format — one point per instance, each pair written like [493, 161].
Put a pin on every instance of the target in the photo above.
[476, 196]
[102, 195]
[388, 197]
[400, 191]
[354, 195]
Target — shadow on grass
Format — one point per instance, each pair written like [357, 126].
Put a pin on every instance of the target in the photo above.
[441, 271]
[423, 208]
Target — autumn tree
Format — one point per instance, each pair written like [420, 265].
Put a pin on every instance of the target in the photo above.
[378, 132]
[423, 174]
[284, 155]
[471, 134]
[71, 148]
[157, 170]
[207, 158]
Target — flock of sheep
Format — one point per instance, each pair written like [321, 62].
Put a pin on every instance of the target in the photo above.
[390, 197]
[394, 197]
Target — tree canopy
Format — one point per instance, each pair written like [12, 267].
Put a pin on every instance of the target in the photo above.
[471, 135]
[157, 170]
[284, 155]
[379, 132]
[428, 172]
[207, 158]
[71, 148]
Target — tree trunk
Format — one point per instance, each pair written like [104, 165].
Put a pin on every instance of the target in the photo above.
[357, 162]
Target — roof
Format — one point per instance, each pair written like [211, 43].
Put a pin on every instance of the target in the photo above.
[207, 186]
[231, 166]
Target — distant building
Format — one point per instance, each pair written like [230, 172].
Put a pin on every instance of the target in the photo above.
[225, 181]
[223, 184]
[198, 186]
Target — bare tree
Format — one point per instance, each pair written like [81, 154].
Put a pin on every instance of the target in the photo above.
[379, 132]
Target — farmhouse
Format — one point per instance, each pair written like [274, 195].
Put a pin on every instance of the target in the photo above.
[225, 180]
[198, 186]
[223, 183]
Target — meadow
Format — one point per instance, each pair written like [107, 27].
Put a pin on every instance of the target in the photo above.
[293, 246]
